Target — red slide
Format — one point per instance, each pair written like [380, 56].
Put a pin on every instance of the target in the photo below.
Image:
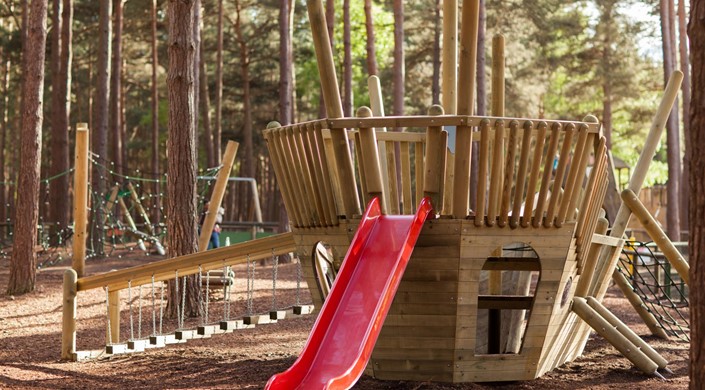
[351, 318]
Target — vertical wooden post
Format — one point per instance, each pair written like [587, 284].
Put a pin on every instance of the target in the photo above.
[113, 332]
[377, 105]
[68, 319]
[80, 200]
[498, 65]
[435, 168]
[449, 85]
[221, 182]
[370, 156]
[466, 100]
[334, 108]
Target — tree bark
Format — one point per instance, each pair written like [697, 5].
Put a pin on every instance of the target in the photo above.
[23, 260]
[6, 66]
[347, 62]
[672, 137]
[685, 68]
[99, 134]
[370, 45]
[182, 236]
[155, 118]
[61, 81]
[115, 89]
[196, 68]
[217, 136]
[696, 30]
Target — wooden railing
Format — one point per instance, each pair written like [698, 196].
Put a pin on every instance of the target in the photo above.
[530, 173]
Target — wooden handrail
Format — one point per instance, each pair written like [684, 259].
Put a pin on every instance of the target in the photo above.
[189, 264]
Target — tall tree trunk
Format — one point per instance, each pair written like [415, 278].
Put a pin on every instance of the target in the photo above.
[436, 86]
[181, 167]
[155, 118]
[115, 89]
[696, 30]
[370, 45]
[23, 260]
[672, 138]
[685, 68]
[347, 62]
[61, 81]
[99, 134]
[205, 111]
[3, 139]
[217, 136]
[247, 107]
[196, 67]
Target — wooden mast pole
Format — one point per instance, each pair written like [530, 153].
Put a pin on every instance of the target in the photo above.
[449, 84]
[466, 100]
[334, 107]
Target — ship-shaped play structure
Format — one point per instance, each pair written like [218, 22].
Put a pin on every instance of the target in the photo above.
[461, 248]
[449, 275]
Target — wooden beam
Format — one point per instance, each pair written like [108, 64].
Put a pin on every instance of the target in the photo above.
[221, 182]
[188, 264]
[446, 120]
[370, 160]
[112, 335]
[606, 330]
[511, 264]
[505, 302]
[657, 234]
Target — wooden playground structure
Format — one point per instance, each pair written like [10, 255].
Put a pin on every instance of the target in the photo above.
[504, 282]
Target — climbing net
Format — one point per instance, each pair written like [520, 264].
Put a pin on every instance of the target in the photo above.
[129, 203]
[659, 286]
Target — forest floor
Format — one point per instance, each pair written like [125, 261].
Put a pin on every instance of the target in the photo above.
[30, 340]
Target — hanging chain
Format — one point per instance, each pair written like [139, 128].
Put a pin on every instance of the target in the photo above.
[250, 284]
[183, 303]
[129, 299]
[154, 312]
[107, 314]
[139, 317]
[200, 290]
[226, 296]
[178, 314]
[298, 281]
[208, 282]
[275, 275]
[161, 307]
